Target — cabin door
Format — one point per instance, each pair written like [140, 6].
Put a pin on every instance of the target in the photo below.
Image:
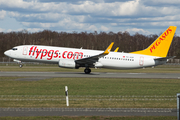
[141, 61]
[25, 50]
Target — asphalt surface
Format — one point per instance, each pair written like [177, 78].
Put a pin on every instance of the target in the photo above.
[93, 75]
[87, 112]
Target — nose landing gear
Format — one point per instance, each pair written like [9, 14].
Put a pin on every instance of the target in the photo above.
[20, 65]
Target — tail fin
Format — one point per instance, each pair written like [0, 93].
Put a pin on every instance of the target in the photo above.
[160, 46]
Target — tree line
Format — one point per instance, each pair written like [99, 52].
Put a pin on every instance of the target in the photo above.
[95, 40]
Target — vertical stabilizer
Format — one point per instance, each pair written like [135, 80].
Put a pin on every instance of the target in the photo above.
[160, 46]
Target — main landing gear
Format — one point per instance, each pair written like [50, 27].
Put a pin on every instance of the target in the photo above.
[87, 70]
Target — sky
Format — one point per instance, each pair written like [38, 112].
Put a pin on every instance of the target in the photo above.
[143, 16]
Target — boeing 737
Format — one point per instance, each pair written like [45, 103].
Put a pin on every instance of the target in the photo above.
[155, 54]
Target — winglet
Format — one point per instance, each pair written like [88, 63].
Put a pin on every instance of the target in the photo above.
[116, 49]
[108, 49]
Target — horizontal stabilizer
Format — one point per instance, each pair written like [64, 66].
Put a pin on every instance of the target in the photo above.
[165, 58]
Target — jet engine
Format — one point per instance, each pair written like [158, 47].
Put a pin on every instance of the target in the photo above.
[65, 63]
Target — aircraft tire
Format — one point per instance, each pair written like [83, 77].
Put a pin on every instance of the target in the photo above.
[87, 71]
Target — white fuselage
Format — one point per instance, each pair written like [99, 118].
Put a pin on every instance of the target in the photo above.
[50, 54]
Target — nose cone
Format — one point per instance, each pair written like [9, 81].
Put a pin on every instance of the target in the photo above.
[7, 53]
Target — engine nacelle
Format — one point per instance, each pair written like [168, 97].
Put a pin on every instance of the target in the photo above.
[98, 65]
[65, 63]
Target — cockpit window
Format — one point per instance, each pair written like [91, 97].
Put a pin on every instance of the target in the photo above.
[14, 48]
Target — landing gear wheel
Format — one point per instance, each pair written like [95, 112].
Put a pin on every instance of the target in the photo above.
[20, 65]
[87, 71]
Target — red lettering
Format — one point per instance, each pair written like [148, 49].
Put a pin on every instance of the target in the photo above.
[161, 39]
[158, 42]
[34, 50]
[153, 47]
[167, 32]
[64, 54]
[56, 53]
[71, 54]
[50, 54]
[76, 54]
[42, 54]
[81, 54]
[30, 50]
[164, 36]
[38, 52]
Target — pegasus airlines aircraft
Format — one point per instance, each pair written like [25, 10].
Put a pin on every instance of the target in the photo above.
[155, 54]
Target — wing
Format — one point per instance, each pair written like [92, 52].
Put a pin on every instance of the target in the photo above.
[90, 60]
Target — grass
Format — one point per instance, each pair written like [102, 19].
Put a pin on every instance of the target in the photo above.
[90, 86]
[126, 88]
[117, 88]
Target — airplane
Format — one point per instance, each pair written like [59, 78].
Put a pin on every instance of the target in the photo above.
[155, 54]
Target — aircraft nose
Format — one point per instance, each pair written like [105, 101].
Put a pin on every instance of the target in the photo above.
[7, 53]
